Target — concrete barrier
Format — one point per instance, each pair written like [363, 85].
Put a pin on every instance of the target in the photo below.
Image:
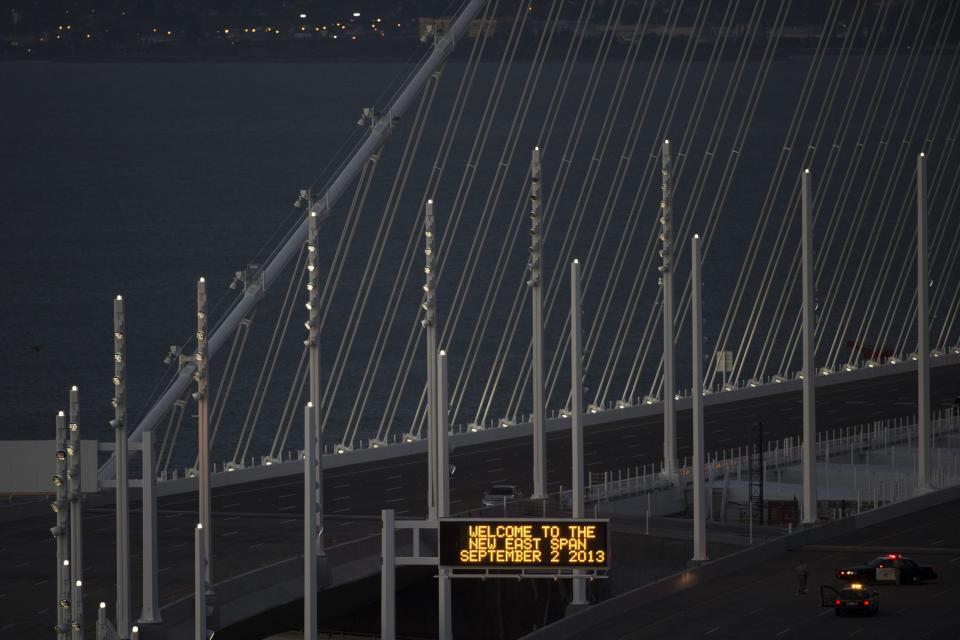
[586, 620]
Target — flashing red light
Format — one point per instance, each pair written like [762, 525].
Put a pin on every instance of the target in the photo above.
[836, 602]
[866, 603]
[892, 556]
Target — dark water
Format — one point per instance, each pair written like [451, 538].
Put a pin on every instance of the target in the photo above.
[138, 178]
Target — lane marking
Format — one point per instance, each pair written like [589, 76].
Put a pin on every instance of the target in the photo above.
[290, 520]
[395, 500]
[37, 584]
[254, 546]
[755, 611]
[901, 610]
[498, 469]
[229, 533]
[231, 518]
[292, 506]
[341, 498]
[165, 569]
[395, 477]
[43, 611]
[10, 625]
[711, 631]
[286, 495]
[783, 632]
[341, 510]
[855, 632]
[497, 459]
[940, 593]
[233, 504]
[957, 559]
[824, 613]
[22, 564]
[934, 542]
[341, 486]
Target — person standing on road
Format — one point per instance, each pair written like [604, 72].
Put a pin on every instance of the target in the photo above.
[801, 578]
[898, 568]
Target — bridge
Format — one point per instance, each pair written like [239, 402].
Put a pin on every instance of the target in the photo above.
[829, 244]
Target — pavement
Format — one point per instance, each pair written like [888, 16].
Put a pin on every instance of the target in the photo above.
[760, 602]
[258, 524]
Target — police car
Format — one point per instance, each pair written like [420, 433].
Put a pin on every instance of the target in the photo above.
[884, 569]
[852, 598]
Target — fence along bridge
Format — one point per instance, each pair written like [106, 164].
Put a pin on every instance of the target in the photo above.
[466, 195]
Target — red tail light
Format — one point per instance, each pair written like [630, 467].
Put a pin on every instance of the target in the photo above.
[866, 603]
[836, 602]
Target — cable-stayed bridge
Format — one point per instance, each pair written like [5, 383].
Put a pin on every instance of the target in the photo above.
[529, 164]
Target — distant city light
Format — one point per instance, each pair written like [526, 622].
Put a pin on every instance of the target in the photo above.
[356, 14]
[302, 16]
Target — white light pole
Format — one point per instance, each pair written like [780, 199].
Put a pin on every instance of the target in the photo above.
[535, 265]
[923, 331]
[430, 324]
[313, 350]
[309, 520]
[576, 417]
[75, 491]
[666, 276]
[445, 622]
[203, 472]
[150, 612]
[699, 523]
[61, 531]
[119, 424]
[199, 585]
[809, 368]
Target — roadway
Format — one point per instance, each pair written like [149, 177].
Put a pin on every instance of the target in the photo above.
[259, 523]
[760, 601]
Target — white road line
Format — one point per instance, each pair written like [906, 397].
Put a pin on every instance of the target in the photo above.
[395, 500]
[164, 569]
[43, 611]
[340, 510]
[711, 631]
[824, 613]
[255, 545]
[855, 632]
[102, 529]
[341, 486]
[229, 533]
[498, 469]
[341, 498]
[233, 504]
[494, 459]
[22, 564]
[940, 541]
[290, 520]
[394, 488]
[724, 439]
[635, 446]
[178, 545]
[292, 506]
[396, 477]
[783, 632]
[940, 593]
[231, 518]
[37, 584]
[10, 625]
[286, 495]
[755, 611]
[957, 559]
[901, 610]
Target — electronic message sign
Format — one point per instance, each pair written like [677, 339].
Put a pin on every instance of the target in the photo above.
[491, 543]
